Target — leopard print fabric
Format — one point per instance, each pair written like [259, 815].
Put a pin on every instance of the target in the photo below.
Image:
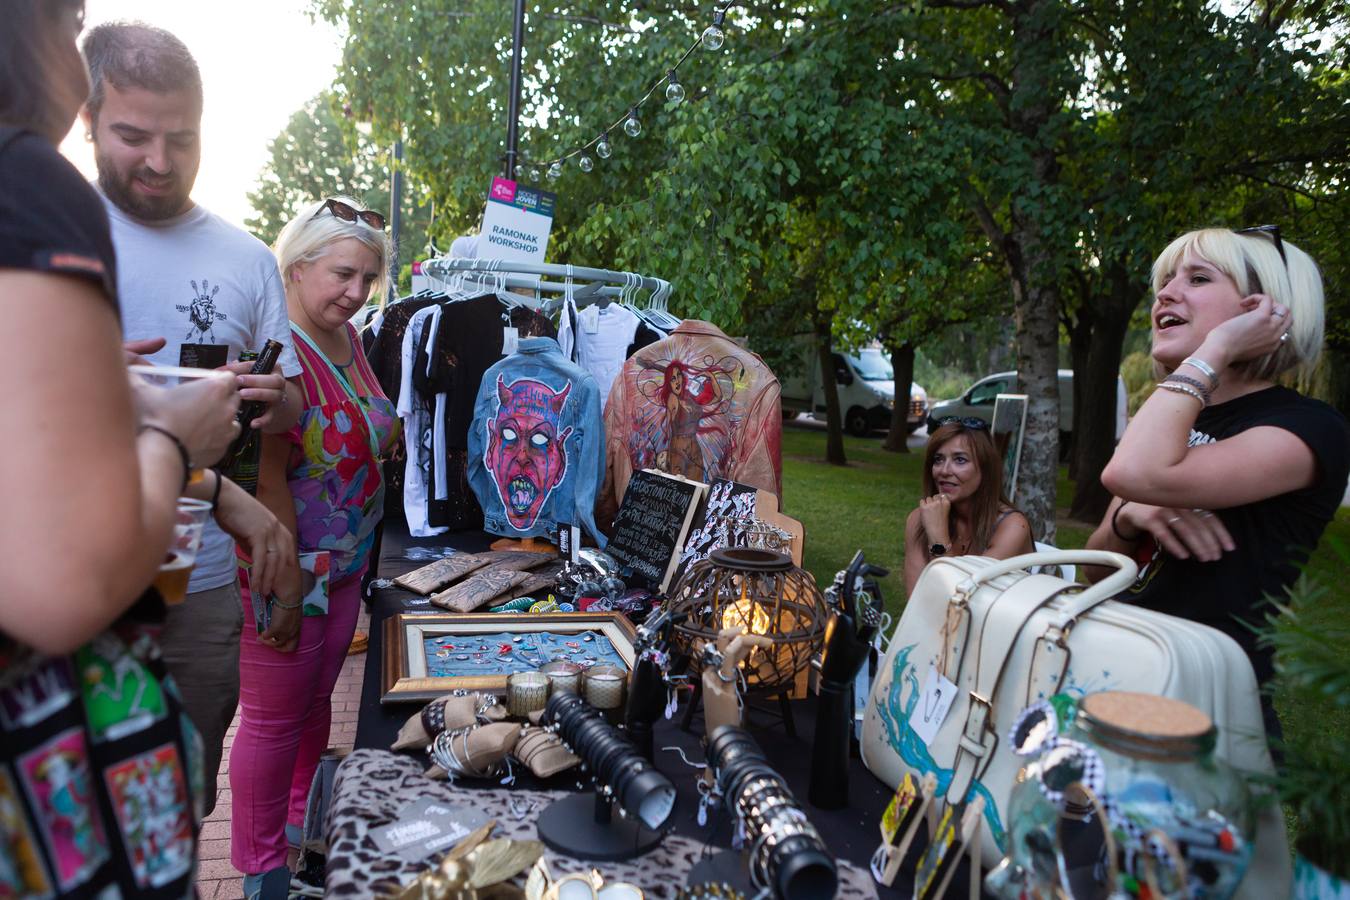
[372, 786]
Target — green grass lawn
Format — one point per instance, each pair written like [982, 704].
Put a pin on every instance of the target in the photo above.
[864, 505]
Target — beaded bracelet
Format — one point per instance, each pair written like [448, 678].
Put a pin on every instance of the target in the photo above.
[1193, 382]
[1183, 389]
[1203, 368]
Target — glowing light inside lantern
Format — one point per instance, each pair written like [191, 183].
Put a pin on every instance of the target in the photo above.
[746, 613]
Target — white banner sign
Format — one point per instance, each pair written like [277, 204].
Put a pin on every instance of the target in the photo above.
[517, 222]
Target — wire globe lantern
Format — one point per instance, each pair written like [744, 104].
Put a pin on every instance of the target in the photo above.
[762, 592]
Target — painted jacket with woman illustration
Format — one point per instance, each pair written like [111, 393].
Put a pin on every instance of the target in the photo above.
[696, 404]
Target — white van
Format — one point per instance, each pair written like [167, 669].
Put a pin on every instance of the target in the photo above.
[978, 401]
[866, 386]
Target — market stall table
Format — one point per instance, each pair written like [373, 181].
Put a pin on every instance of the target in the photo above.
[851, 833]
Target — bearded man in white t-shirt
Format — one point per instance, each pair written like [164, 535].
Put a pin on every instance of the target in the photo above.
[196, 291]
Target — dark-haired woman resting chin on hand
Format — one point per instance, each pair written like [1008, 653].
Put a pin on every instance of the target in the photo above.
[963, 510]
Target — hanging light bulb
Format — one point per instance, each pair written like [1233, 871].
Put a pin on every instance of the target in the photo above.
[555, 171]
[713, 35]
[585, 164]
[602, 147]
[674, 90]
[631, 126]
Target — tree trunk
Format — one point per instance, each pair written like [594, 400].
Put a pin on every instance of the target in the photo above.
[834, 420]
[902, 361]
[1095, 386]
[1032, 262]
[1036, 308]
[1080, 342]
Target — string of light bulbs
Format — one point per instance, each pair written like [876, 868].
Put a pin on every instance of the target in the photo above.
[711, 38]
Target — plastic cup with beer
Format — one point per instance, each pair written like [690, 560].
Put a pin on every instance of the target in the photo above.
[172, 580]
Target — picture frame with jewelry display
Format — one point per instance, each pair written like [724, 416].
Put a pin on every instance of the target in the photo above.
[428, 655]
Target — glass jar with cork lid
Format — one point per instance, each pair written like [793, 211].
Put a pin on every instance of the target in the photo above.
[1122, 796]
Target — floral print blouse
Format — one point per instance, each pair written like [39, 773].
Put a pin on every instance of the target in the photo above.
[347, 426]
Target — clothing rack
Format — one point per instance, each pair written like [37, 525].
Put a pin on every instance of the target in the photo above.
[612, 284]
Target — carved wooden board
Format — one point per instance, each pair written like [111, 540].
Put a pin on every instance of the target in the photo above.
[434, 576]
[478, 589]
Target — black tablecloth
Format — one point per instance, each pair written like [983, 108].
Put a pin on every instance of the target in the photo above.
[851, 833]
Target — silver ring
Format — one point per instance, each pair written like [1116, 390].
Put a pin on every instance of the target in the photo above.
[1174, 519]
[271, 549]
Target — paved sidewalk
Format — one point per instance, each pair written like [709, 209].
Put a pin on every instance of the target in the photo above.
[216, 878]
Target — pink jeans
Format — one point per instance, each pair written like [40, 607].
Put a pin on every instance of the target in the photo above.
[285, 703]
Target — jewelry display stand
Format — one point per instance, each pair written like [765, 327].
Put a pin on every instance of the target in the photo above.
[583, 826]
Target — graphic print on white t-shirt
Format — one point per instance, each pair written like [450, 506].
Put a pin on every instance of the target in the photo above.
[202, 313]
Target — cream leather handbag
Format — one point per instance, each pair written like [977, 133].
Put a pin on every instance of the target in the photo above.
[1005, 638]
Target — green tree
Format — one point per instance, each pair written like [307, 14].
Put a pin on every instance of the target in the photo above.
[1091, 132]
[770, 196]
[320, 154]
[1238, 133]
[843, 164]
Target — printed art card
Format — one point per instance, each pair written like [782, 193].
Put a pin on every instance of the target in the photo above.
[150, 800]
[29, 698]
[121, 695]
[22, 873]
[60, 791]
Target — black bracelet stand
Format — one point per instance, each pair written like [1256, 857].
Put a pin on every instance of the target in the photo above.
[646, 694]
[583, 826]
[829, 755]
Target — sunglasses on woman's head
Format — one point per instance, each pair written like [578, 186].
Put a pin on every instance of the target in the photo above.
[348, 213]
[967, 421]
[1274, 232]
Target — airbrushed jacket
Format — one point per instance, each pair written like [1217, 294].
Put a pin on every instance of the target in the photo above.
[696, 404]
[537, 443]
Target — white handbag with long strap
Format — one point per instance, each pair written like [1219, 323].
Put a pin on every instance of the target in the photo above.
[1006, 638]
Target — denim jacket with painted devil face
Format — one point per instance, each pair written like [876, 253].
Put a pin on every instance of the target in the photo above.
[537, 443]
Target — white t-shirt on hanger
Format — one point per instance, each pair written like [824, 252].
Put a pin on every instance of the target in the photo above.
[603, 337]
[419, 426]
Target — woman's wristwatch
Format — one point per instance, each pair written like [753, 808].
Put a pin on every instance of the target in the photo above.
[937, 549]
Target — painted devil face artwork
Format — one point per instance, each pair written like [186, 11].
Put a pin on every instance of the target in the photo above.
[525, 451]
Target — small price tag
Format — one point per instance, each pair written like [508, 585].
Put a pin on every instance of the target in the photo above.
[510, 340]
[862, 687]
[590, 320]
[569, 541]
[934, 703]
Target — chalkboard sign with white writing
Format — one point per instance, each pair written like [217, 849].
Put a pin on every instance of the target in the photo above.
[652, 523]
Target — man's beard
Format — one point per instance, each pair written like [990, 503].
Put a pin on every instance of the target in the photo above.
[139, 206]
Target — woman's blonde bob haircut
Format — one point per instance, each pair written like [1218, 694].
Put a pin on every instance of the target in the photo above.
[307, 237]
[1255, 266]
